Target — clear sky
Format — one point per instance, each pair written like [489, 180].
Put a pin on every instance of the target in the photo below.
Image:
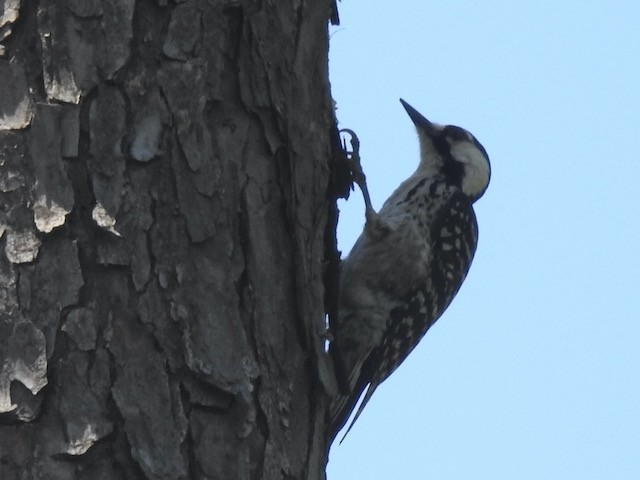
[534, 371]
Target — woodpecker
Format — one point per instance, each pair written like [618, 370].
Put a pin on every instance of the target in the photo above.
[408, 263]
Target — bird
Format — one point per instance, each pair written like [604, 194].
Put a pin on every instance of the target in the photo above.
[408, 263]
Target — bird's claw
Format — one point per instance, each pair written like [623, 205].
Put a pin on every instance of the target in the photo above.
[353, 156]
[353, 161]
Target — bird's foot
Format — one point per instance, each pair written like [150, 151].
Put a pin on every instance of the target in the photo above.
[357, 174]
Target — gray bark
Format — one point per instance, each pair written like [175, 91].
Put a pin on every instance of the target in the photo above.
[167, 227]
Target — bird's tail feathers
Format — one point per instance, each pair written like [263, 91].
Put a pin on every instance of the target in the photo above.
[372, 387]
[343, 405]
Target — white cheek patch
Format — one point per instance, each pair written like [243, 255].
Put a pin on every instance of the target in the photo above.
[476, 168]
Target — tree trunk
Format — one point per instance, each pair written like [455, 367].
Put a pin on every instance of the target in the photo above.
[167, 213]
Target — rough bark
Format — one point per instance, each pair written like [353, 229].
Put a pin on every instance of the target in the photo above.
[167, 221]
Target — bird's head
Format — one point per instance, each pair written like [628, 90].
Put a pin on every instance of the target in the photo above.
[453, 152]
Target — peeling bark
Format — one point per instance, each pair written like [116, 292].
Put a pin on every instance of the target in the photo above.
[167, 228]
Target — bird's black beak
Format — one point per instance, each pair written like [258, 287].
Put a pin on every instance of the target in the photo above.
[418, 120]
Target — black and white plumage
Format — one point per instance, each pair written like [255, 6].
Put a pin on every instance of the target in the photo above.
[408, 263]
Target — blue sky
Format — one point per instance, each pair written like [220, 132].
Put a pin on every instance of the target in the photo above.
[534, 371]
